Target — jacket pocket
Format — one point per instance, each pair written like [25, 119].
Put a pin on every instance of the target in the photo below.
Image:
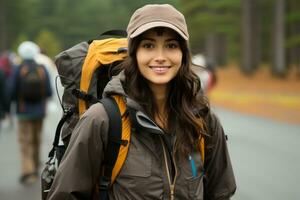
[138, 163]
[195, 187]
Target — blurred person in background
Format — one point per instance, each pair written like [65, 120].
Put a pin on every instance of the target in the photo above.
[205, 71]
[30, 88]
[6, 68]
[5, 63]
[53, 105]
[2, 97]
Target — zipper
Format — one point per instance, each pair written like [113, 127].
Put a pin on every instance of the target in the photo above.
[174, 162]
[171, 185]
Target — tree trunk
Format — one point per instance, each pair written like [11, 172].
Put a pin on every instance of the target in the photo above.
[3, 25]
[278, 54]
[293, 30]
[216, 50]
[250, 37]
[221, 48]
[256, 34]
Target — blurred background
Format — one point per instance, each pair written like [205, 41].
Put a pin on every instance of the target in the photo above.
[251, 53]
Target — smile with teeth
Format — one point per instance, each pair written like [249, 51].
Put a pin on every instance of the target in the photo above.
[160, 69]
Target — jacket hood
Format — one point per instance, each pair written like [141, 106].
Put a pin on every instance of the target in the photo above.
[115, 86]
[139, 117]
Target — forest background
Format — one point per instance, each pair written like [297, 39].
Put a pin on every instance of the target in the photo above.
[251, 33]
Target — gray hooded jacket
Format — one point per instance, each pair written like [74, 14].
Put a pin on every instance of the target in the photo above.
[147, 171]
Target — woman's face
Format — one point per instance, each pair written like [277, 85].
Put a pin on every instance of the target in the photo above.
[159, 56]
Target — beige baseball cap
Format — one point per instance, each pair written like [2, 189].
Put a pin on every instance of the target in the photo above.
[157, 15]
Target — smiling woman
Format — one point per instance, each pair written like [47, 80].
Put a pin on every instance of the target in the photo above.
[170, 119]
[159, 78]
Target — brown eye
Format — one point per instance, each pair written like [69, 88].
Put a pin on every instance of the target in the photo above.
[148, 45]
[172, 45]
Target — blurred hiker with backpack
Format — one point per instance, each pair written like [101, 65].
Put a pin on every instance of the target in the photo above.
[2, 97]
[6, 68]
[30, 88]
[168, 117]
[53, 106]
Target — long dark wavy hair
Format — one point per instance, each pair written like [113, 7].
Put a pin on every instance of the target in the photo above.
[182, 100]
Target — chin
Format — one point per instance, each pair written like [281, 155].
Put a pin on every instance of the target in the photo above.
[160, 81]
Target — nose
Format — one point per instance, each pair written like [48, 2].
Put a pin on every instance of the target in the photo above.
[160, 55]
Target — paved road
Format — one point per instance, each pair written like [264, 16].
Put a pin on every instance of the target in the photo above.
[264, 153]
[265, 156]
[10, 189]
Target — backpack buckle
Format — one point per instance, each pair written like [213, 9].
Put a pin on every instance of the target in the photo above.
[104, 183]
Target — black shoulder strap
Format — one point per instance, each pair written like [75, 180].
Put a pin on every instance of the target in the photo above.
[66, 116]
[113, 144]
[110, 33]
[117, 32]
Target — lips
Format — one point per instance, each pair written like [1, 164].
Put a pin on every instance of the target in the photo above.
[160, 69]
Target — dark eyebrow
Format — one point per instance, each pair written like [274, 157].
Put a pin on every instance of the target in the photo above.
[148, 39]
[172, 39]
[168, 40]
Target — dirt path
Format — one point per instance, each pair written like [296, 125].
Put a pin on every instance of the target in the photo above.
[260, 94]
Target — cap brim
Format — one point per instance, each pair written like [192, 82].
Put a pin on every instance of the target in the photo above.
[150, 25]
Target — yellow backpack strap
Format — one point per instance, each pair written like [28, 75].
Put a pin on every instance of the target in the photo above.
[202, 149]
[100, 52]
[201, 142]
[126, 132]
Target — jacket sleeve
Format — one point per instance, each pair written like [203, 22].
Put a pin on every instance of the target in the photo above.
[80, 167]
[219, 180]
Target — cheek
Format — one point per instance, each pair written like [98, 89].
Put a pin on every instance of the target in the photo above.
[177, 58]
[141, 58]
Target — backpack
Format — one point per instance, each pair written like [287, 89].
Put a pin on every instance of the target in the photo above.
[32, 83]
[85, 69]
[81, 75]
